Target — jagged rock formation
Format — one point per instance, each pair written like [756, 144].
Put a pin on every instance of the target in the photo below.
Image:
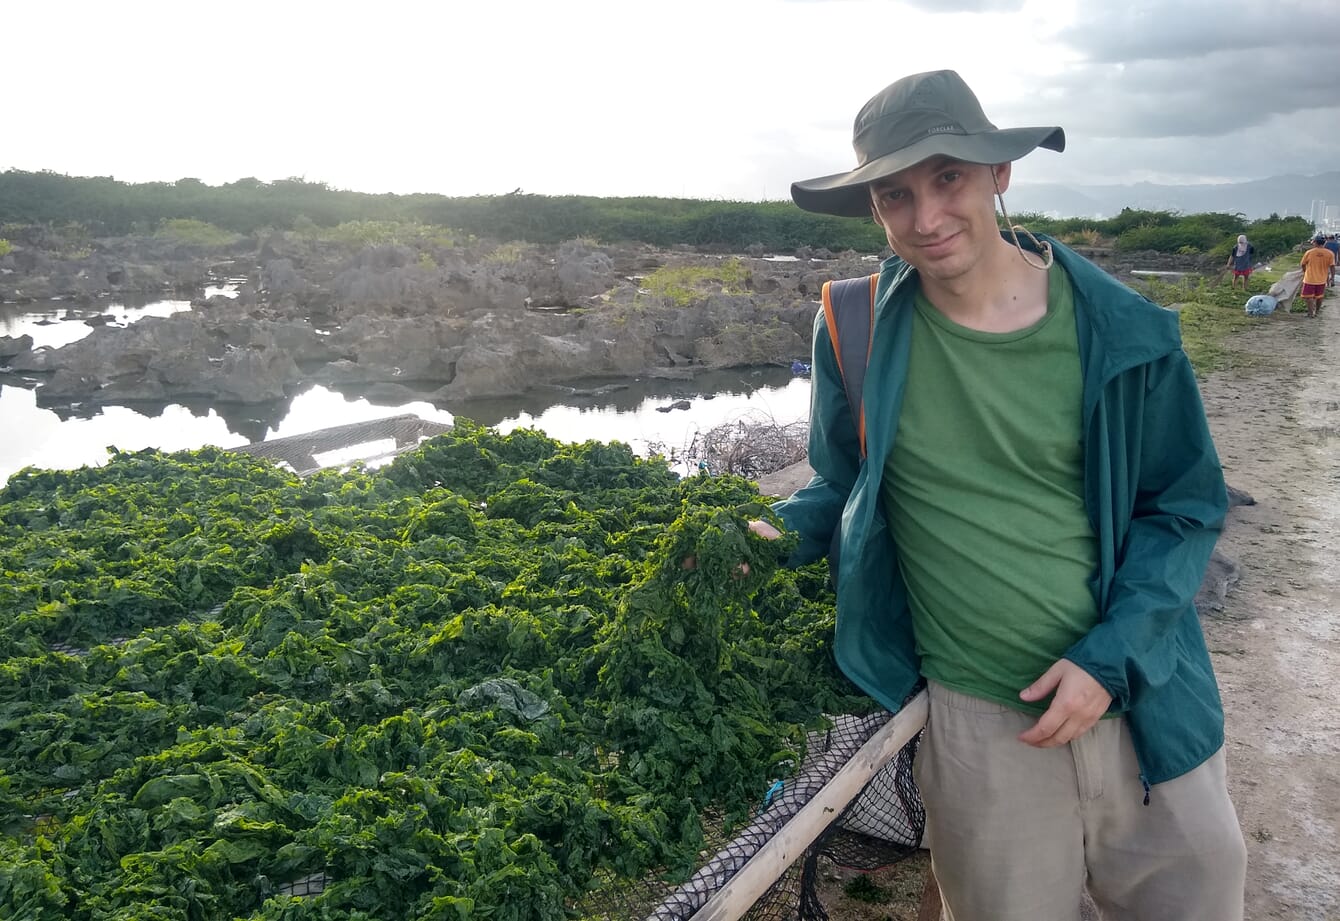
[439, 324]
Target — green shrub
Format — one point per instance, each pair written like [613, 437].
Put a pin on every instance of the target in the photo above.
[83, 207]
[1179, 237]
[5, 248]
[1131, 218]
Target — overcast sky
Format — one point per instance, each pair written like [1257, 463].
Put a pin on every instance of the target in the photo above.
[721, 99]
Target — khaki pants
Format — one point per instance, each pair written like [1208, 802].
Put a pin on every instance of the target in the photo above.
[1017, 832]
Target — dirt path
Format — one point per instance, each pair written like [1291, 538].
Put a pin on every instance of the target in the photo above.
[1276, 645]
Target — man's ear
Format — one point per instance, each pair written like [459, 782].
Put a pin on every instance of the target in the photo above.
[1001, 173]
[874, 212]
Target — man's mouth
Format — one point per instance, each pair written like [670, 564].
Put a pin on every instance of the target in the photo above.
[939, 246]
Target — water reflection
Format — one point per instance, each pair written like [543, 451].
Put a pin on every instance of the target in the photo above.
[648, 414]
[249, 421]
[57, 323]
[638, 412]
[39, 437]
[623, 395]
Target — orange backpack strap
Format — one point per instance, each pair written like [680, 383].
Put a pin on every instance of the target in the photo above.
[849, 312]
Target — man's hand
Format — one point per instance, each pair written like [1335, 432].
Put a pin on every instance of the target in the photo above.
[1079, 702]
[761, 528]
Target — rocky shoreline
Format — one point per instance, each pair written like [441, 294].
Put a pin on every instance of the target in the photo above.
[409, 321]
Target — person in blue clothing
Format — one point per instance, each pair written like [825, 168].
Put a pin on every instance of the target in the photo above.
[1025, 512]
[1333, 244]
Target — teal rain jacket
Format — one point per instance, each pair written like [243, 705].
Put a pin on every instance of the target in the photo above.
[1153, 488]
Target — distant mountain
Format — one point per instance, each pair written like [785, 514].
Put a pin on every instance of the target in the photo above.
[1283, 195]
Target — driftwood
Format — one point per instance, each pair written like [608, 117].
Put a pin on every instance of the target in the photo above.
[299, 451]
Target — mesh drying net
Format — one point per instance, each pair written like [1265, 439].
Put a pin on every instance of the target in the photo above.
[882, 825]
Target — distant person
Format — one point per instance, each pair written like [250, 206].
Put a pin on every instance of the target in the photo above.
[1018, 530]
[1240, 260]
[1334, 246]
[1318, 266]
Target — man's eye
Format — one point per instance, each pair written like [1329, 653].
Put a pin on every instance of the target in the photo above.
[893, 195]
[950, 176]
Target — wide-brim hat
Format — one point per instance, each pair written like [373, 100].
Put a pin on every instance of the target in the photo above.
[916, 118]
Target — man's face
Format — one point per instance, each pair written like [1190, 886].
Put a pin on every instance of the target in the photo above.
[939, 215]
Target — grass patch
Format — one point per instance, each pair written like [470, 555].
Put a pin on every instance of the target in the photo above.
[1211, 311]
[383, 233]
[194, 233]
[1085, 236]
[1205, 329]
[1285, 262]
[507, 253]
[685, 284]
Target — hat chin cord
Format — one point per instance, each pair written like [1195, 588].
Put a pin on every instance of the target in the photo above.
[1045, 248]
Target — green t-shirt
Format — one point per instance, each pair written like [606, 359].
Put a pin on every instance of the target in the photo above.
[984, 491]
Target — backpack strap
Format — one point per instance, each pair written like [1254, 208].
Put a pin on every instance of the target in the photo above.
[849, 312]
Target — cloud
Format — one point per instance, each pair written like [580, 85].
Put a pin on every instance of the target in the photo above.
[968, 6]
[1140, 30]
[1181, 91]
[1155, 99]
[1283, 144]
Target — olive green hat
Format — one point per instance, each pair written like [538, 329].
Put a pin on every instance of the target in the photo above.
[916, 118]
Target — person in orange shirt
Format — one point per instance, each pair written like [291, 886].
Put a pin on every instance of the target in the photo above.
[1316, 263]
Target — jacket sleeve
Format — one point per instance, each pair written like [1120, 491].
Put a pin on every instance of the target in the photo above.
[815, 510]
[1177, 512]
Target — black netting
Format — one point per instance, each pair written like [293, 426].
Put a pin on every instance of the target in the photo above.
[884, 824]
[879, 827]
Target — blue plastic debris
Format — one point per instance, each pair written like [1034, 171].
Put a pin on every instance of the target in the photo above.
[1261, 305]
[800, 369]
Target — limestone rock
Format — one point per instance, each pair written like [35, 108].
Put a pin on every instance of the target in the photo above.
[13, 346]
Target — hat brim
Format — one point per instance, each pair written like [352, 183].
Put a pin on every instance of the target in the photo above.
[845, 195]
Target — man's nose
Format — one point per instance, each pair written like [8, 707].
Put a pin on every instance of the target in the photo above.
[927, 211]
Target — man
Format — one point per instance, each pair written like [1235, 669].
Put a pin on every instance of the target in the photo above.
[1317, 263]
[1240, 259]
[1333, 245]
[1037, 502]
